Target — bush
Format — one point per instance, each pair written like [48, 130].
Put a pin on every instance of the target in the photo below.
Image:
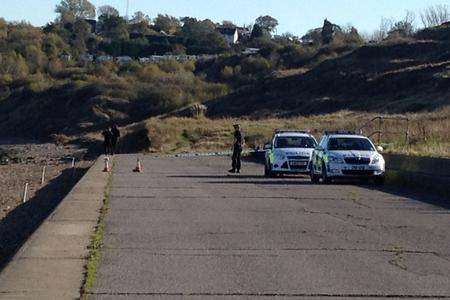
[255, 65]
[171, 66]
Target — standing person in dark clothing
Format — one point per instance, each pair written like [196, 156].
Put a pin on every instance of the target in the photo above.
[237, 150]
[107, 141]
[114, 138]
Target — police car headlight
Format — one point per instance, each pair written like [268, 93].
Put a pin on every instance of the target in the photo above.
[376, 159]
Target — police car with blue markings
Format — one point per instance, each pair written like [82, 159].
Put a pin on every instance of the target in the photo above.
[289, 152]
[344, 154]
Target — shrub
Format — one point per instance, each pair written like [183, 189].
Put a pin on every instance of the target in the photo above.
[255, 65]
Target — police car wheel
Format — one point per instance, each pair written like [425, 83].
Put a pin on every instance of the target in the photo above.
[379, 180]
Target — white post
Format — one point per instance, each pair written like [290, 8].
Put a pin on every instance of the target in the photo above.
[43, 175]
[73, 162]
[25, 193]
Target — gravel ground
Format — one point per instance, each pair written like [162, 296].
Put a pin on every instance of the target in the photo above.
[35, 156]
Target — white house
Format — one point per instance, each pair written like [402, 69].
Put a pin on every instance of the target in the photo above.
[124, 59]
[104, 58]
[87, 58]
[230, 34]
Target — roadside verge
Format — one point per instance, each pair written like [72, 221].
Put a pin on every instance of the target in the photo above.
[420, 173]
[51, 264]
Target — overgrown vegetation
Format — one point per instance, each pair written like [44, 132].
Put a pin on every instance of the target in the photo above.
[428, 132]
[95, 246]
[66, 79]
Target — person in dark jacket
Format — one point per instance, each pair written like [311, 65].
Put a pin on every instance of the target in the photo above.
[237, 150]
[115, 135]
[107, 141]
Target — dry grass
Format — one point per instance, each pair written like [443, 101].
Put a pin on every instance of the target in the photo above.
[428, 132]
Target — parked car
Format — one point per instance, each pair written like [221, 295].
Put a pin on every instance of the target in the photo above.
[343, 154]
[289, 152]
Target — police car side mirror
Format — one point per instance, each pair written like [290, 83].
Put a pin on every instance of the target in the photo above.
[380, 149]
[268, 146]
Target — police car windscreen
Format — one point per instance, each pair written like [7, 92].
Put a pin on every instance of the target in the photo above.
[295, 142]
[338, 144]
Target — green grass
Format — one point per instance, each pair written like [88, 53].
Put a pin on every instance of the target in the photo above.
[96, 245]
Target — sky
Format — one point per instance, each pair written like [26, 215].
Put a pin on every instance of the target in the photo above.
[295, 16]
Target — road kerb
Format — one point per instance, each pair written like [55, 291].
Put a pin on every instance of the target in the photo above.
[50, 265]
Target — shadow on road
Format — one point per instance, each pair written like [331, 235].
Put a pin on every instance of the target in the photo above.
[217, 176]
[265, 182]
[415, 195]
[21, 222]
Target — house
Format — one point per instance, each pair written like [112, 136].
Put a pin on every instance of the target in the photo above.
[323, 34]
[144, 60]
[104, 58]
[251, 51]
[230, 34]
[87, 58]
[123, 59]
[66, 57]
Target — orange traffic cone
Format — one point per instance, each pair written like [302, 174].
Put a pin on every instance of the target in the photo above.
[138, 168]
[106, 167]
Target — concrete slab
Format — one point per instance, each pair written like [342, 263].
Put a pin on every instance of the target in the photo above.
[50, 265]
[184, 229]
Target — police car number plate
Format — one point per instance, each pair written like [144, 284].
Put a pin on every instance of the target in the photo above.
[298, 163]
[358, 168]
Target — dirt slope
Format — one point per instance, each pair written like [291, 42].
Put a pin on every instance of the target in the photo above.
[398, 78]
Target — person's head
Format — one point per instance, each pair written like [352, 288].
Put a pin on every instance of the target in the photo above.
[237, 127]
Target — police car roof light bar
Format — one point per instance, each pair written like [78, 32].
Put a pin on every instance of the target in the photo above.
[349, 132]
[278, 131]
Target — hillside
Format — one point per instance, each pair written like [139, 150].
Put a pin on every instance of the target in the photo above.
[391, 78]
[49, 87]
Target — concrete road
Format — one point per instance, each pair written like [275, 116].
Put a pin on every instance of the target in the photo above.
[184, 229]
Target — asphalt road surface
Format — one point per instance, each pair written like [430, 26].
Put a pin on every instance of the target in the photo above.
[184, 229]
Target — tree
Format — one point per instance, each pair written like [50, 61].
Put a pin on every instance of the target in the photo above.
[107, 10]
[54, 45]
[3, 29]
[435, 15]
[258, 32]
[139, 17]
[202, 36]
[403, 28]
[228, 24]
[167, 24]
[79, 9]
[81, 30]
[382, 33]
[114, 27]
[267, 23]
[13, 64]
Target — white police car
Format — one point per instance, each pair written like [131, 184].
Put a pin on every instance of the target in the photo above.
[343, 154]
[289, 152]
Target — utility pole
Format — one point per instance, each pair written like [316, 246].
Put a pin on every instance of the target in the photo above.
[128, 7]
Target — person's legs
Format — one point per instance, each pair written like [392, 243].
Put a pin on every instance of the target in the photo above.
[238, 160]
[113, 147]
[234, 160]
